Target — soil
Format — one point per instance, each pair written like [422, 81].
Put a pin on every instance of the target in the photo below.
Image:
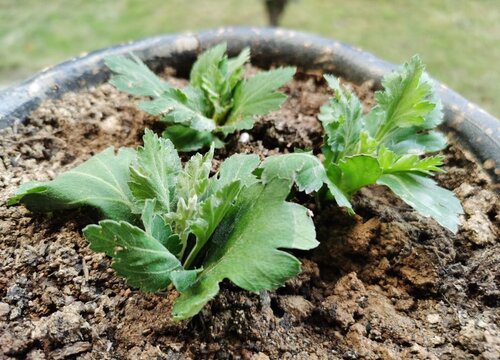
[384, 284]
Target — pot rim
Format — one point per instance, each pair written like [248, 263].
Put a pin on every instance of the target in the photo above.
[476, 128]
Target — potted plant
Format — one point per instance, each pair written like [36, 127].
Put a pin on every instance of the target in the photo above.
[383, 283]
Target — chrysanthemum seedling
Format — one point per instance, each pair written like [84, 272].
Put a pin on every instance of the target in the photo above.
[218, 100]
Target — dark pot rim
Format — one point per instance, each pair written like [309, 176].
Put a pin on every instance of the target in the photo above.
[473, 126]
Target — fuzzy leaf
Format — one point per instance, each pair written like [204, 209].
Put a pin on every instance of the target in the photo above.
[342, 120]
[137, 256]
[257, 96]
[245, 248]
[425, 196]
[100, 182]
[154, 174]
[156, 226]
[134, 77]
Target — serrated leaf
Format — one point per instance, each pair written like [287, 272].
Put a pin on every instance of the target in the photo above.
[137, 256]
[342, 120]
[406, 101]
[425, 196]
[154, 174]
[193, 180]
[132, 76]
[100, 182]
[257, 96]
[245, 246]
[209, 57]
[187, 139]
[302, 168]
[390, 162]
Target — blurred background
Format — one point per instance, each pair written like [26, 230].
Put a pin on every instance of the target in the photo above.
[459, 40]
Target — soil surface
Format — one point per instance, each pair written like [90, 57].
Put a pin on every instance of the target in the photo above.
[384, 284]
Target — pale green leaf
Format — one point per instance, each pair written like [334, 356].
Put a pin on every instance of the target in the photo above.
[245, 248]
[425, 196]
[342, 120]
[154, 174]
[100, 182]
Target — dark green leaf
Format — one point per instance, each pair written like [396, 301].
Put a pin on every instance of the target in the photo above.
[154, 174]
[245, 246]
[137, 256]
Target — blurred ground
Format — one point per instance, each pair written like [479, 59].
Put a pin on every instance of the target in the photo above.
[458, 39]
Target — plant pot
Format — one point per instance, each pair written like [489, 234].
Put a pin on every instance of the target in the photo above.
[384, 284]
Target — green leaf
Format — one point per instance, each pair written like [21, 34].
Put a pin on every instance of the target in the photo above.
[134, 77]
[245, 246]
[390, 162]
[355, 172]
[425, 196]
[211, 212]
[174, 111]
[193, 180]
[100, 182]
[409, 141]
[342, 120]
[302, 168]
[187, 139]
[137, 256]
[208, 58]
[235, 66]
[154, 174]
[156, 226]
[341, 198]
[406, 101]
[244, 124]
[238, 167]
[257, 96]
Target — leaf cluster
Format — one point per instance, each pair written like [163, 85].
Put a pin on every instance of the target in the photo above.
[387, 146]
[168, 224]
[218, 100]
